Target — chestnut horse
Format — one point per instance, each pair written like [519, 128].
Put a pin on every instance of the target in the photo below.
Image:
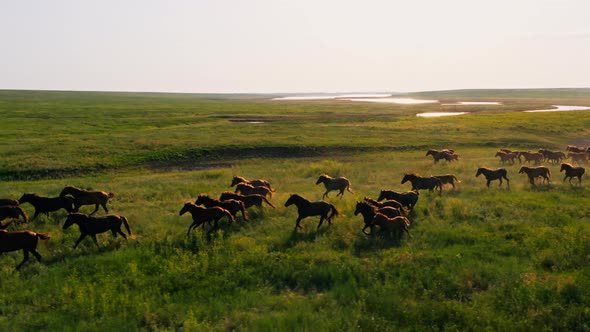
[255, 183]
[390, 202]
[393, 226]
[506, 156]
[368, 212]
[331, 184]
[249, 200]
[25, 240]
[447, 179]
[536, 172]
[95, 225]
[493, 174]
[232, 205]
[47, 204]
[571, 171]
[306, 209]
[86, 197]
[446, 154]
[201, 215]
[12, 212]
[248, 189]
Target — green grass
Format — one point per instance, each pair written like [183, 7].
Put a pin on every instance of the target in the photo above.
[494, 259]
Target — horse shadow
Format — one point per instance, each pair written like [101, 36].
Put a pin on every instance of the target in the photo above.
[375, 242]
[298, 236]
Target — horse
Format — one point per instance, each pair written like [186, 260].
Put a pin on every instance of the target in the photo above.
[396, 225]
[506, 156]
[47, 204]
[390, 202]
[8, 202]
[580, 157]
[447, 179]
[25, 240]
[249, 200]
[419, 182]
[13, 212]
[407, 199]
[255, 183]
[552, 156]
[367, 210]
[306, 209]
[532, 156]
[536, 172]
[201, 215]
[86, 197]
[573, 148]
[232, 205]
[493, 174]
[91, 226]
[571, 171]
[331, 183]
[446, 154]
[248, 189]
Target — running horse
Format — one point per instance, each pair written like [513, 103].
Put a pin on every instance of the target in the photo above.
[340, 184]
[232, 205]
[248, 189]
[86, 197]
[201, 215]
[306, 209]
[90, 226]
[13, 212]
[21, 240]
[446, 154]
[396, 225]
[255, 183]
[536, 172]
[47, 204]
[407, 199]
[571, 172]
[367, 210]
[493, 174]
[249, 200]
[419, 182]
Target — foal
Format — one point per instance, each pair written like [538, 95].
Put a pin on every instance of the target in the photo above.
[331, 183]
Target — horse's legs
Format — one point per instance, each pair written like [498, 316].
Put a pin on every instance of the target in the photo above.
[341, 193]
[36, 254]
[104, 207]
[488, 183]
[507, 181]
[326, 194]
[297, 222]
[26, 258]
[122, 234]
[83, 235]
[321, 221]
[191, 227]
[95, 209]
[94, 239]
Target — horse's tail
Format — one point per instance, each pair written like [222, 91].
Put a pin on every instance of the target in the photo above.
[243, 209]
[348, 188]
[548, 172]
[110, 195]
[267, 202]
[454, 177]
[126, 223]
[43, 236]
[334, 211]
[22, 213]
[270, 188]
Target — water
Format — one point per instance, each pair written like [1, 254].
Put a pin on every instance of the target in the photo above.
[405, 101]
[473, 103]
[438, 114]
[561, 108]
[327, 97]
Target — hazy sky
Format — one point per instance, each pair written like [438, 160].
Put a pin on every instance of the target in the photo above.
[293, 46]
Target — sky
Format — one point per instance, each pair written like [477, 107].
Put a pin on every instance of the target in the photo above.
[274, 46]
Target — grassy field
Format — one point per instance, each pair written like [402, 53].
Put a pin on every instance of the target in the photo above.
[495, 259]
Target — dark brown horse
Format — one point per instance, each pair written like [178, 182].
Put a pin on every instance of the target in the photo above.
[552, 156]
[395, 226]
[368, 212]
[90, 226]
[86, 197]
[201, 215]
[578, 157]
[536, 172]
[340, 184]
[446, 154]
[532, 156]
[248, 189]
[306, 209]
[448, 179]
[22, 240]
[390, 202]
[249, 200]
[493, 174]
[506, 156]
[574, 148]
[255, 183]
[420, 182]
[407, 199]
[571, 172]
[232, 205]
[8, 202]
[47, 204]
[13, 212]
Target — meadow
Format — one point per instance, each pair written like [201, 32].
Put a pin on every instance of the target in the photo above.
[496, 259]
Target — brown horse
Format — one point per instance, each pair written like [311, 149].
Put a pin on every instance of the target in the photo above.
[571, 171]
[506, 156]
[407, 199]
[493, 174]
[446, 154]
[340, 184]
[419, 182]
[536, 172]
[232, 205]
[390, 202]
[573, 148]
[368, 212]
[8, 202]
[86, 197]
[532, 156]
[25, 240]
[249, 200]
[578, 157]
[393, 226]
[306, 209]
[248, 189]
[47, 204]
[255, 183]
[448, 179]
[13, 212]
[95, 225]
[552, 156]
[201, 215]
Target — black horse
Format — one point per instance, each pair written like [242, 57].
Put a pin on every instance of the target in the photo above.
[571, 172]
[306, 209]
[493, 174]
[407, 199]
[47, 204]
[95, 225]
[12, 212]
[420, 182]
[86, 197]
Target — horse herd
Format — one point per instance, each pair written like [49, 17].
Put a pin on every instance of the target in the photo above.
[389, 212]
